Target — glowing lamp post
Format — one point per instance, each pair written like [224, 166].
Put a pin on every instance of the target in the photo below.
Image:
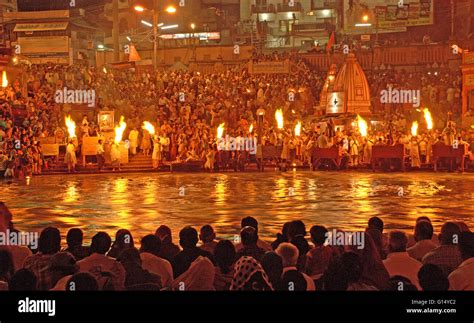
[156, 12]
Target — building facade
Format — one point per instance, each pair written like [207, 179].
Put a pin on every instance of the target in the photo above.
[5, 6]
[274, 24]
[56, 36]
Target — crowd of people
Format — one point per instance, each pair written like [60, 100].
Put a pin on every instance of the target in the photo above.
[294, 261]
[186, 108]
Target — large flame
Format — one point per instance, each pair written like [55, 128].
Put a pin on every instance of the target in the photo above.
[362, 124]
[71, 127]
[251, 128]
[4, 79]
[414, 128]
[298, 129]
[279, 118]
[119, 130]
[148, 127]
[428, 119]
[220, 130]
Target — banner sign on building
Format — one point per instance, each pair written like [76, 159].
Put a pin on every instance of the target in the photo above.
[45, 49]
[282, 67]
[386, 15]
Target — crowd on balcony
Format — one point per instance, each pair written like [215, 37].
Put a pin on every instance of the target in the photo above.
[323, 259]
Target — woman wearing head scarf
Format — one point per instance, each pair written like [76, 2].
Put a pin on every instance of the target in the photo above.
[249, 275]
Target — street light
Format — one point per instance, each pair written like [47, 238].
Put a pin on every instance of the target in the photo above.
[139, 8]
[156, 12]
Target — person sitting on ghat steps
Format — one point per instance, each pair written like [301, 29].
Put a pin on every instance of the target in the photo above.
[252, 222]
[188, 239]
[151, 261]
[462, 278]
[249, 238]
[447, 255]
[225, 257]
[398, 262]
[423, 236]
[123, 241]
[74, 239]
[168, 249]
[208, 238]
[136, 277]
[39, 263]
[432, 278]
[289, 254]
[109, 273]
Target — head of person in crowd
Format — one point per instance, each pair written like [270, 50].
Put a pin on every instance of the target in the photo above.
[249, 236]
[164, 233]
[82, 282]
[273, 266]
[466, 245]
[376, 223]
[130, 257]
[188, 238]
[449, 234]
[249, 222]
[6, 265]
[293, 280]
[207, 234]
[62, 264]
[423, 218]
[123, 241]
[423, 231]
[296, 229]
[23, 280]
[397, 241]
[224, 255]
[101, 243]
[335, 276]
[150, 244]
[289, 254]
[250, 276]
[74, 238]
[432, 278]
[319, 235]
[401, 283]
[49, 241]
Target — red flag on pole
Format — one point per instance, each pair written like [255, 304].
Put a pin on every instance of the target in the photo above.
[331, 42]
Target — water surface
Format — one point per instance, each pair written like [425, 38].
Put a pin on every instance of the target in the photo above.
[142, 202]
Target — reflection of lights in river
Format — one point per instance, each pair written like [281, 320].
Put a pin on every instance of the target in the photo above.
[149, 193]
[281, 189]
[297, 188]
[221, 188]
[71, 193]
[426, 188]
[120, 185]
[312, 188]
[361, 189]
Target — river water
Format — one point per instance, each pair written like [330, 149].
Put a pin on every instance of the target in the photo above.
[142, 202]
